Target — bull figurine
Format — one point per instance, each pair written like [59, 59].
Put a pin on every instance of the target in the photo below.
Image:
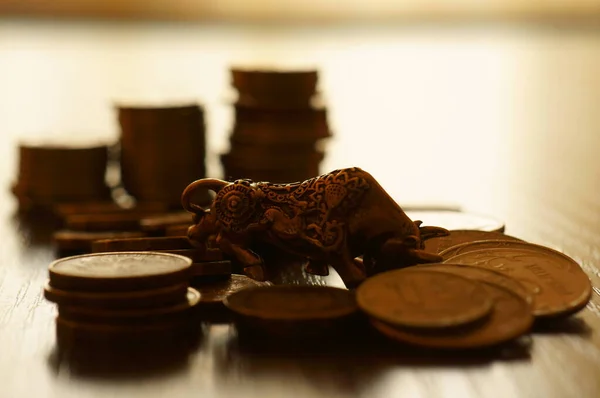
[329, 219]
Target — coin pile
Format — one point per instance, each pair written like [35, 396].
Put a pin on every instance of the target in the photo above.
[122, 298]
[447, 305]
[277, 130]
[50, 174]
[162, 151]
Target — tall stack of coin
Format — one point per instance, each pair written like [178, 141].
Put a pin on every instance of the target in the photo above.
[162, 151]
[277, 130]
[122, 298]
[52, 174]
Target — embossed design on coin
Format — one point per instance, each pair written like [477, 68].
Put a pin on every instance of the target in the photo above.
[439, 244]
[420, 298]
[483, 275]
[293, 302]
[510, 318]
[560, 286]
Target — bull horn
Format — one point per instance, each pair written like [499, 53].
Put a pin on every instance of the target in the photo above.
[214, 184]
[432, 232]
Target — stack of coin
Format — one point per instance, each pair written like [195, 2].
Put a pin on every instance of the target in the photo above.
[50, 174]
[122, 298]
[162, 151]
[277, 130]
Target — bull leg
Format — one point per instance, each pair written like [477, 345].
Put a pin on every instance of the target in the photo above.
[395, 249]
[351, 271]
[253, 264]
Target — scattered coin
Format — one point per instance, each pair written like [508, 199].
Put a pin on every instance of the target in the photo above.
[483, 275]
[177, 230]
[197, 255]
[560, 286]
[141, 244]
[119, 271]
[120, 300]
[125, 221]
[158, 224]
[439, 244]
[82, 241]
[157, 314]
[509, 319]
[456, 220]
[420, 298]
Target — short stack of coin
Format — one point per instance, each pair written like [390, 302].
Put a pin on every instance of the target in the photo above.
[162, 151]
[51, 174]
[122, 298]
[277, 131]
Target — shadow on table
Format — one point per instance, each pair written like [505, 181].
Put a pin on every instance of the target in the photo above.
[569, 326]
[123, 361]
[348, 362]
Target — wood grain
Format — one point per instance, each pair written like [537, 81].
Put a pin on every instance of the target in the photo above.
[523, 149]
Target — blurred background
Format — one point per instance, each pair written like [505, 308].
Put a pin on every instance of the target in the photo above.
[489, 106]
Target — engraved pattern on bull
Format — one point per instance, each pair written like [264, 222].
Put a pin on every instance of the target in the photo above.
[329, 219]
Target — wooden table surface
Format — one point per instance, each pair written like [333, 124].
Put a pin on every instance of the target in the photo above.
[546, 187]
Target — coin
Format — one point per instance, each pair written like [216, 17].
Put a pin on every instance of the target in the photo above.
[292, 302]
[456, 220]
[197, 255]
[420, 298]
[82, 240]
[158, 314]
[439, 244]
[510, 318]
[119, 271]
[141, 244]
[105, 207]
[158, 223]
[105, 222]
[134, 299]
[497, 243]
[483, 275]
[560, 286]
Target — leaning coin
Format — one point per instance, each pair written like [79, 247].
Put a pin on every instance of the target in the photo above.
[119, 271]
[421, 298]
[134, 299]
[439, 244]
[510, 318]
[160, 314]
[482, 275]
[82, 241]
[560, 286]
